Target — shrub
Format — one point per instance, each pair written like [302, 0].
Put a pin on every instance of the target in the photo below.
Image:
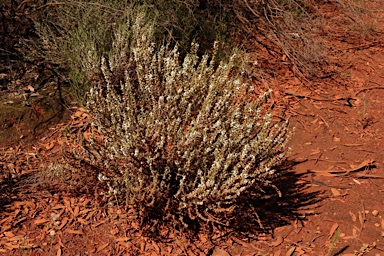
[182, 139]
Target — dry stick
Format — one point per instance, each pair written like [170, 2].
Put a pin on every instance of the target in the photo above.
[314, 98]
[364, 219]
[317, 182]
[326, 160]
[368, 176]
[369, 88]
[323, 120]
[318, 158]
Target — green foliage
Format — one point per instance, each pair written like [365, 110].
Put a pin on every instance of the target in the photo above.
[183, 137]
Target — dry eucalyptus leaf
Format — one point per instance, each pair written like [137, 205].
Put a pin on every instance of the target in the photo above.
[333, 229]
[335, 192]
[278, 241]
[291, 251]
[353, 216]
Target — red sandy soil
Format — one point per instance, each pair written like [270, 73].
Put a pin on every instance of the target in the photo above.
[332, 196]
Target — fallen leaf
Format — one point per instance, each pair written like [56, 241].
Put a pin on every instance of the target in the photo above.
[349, 238]
[125, 244]
[28, 246]
[142, 246]
[278, 241]
[361, 220]
[12, 246]
[9, 234]
[79, 113]
[31, 88]
[291, 251]
[40, 221]
[242, 243]
[98, 224]
[356, 181]
[102, 247]
[335, 192]
[90, 214]
[318, 105]
[85, 211]
[82, 221]
[220, 252]
[67, 203]
[5, 220]
[277, 253]
[50, 145]
[336, 139]
[6, 227]
[16, 238]
[114, 231]
[365, 163]
[63, 222]
[122, 239]
[333, 229]
[353, 216]
[76, 232]
[314, 121]
[76, 211]
[91, 250]
[315, 152]
[135, 225]
[87, 135]
[355, 231]
[156, 246]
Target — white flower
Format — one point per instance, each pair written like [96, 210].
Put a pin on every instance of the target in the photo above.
[54, 216]
[101, 177]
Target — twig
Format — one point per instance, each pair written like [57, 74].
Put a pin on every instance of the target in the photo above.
[363, 221]
[317, 182]
[369, 88]
[323, 120]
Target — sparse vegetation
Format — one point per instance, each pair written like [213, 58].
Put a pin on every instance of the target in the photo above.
[172, 135]
[174, 130]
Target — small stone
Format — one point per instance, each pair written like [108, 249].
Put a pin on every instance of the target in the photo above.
[375, 212]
